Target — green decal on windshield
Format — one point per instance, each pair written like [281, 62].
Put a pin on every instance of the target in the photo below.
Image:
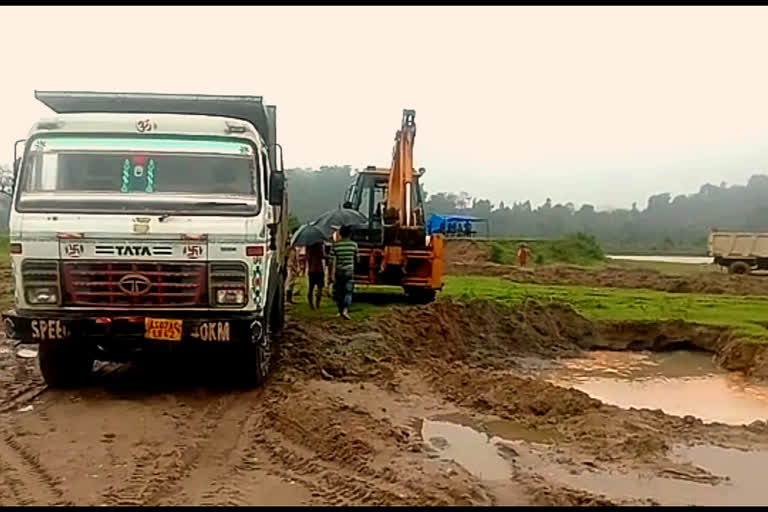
[150, 177]
[126, 176]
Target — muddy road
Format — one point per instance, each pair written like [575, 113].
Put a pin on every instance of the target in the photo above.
[448, 404]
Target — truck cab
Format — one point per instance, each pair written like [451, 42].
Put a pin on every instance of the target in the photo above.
[145, 222]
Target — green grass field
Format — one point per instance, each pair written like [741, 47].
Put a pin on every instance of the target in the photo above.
[747, 315]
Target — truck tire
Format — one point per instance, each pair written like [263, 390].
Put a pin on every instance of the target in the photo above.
[256, 362]
[420, 295]
[738, 267]
[277, 319]
[258, 358]
[64, 366]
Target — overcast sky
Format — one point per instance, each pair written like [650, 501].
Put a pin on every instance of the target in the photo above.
[604, 105]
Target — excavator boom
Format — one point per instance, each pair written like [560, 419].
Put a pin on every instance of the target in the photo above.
[400, 199]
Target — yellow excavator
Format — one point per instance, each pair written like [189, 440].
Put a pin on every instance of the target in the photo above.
[394, 248]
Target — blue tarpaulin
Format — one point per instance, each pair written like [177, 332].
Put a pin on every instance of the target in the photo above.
[438, 223]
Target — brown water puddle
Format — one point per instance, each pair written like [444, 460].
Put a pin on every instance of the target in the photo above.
[678, 382]
[718, 476]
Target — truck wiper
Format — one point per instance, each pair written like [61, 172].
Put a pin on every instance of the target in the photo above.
[202, 204]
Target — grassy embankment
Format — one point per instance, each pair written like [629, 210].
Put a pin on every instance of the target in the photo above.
[746, 315]
[743, 314]
[578, 249]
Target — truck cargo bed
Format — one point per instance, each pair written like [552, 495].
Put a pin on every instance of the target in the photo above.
[246, 108]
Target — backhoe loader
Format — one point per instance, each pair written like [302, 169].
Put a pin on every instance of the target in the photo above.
[394, 248]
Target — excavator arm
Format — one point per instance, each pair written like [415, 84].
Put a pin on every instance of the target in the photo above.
[400, 191]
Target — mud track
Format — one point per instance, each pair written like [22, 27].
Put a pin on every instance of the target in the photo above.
[342, 420]
[468, 258]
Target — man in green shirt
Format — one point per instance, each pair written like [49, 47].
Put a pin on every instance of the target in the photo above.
[343, 257]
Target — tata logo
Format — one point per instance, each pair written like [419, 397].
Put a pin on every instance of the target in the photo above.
[134, 285]
[133, 250]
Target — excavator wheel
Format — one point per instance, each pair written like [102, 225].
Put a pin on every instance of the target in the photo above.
[420, 295]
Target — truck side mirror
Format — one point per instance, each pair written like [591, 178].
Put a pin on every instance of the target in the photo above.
[276, 189]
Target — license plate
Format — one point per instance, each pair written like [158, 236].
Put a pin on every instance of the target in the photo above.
[162, 329]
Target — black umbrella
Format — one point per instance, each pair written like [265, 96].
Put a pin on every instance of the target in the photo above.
[332, 220]
[307, 236]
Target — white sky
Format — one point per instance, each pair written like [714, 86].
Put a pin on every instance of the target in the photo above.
[605, 105]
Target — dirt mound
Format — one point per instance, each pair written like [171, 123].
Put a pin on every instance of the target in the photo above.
[466, 252]
[481, 333]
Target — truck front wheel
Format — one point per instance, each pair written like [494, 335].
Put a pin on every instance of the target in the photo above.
[64, 366]
[256, 360]
[738, 267]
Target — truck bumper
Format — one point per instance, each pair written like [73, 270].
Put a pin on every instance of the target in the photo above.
[146, 328]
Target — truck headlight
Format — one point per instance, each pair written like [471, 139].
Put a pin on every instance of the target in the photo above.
[230, 297]
[42, 295]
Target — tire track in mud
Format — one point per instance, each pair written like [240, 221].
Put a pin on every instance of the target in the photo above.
[20, 398]
[24, 477]
[255, 447]
[156, 474]
[234, 486]
[335, 467]
[227, 440]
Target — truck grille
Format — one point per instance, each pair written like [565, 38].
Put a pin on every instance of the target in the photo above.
[134, 284]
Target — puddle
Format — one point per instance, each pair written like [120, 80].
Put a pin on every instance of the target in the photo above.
[742, 479]
[678, 382]
[473, 450]
[482, 448]
[717, 476]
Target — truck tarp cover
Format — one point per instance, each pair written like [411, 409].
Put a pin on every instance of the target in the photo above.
[436, 219]
[246, 108]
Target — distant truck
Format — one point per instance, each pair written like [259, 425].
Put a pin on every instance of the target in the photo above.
[739, 252]
[144, 223]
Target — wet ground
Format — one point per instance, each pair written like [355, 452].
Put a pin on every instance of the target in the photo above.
[448, 404]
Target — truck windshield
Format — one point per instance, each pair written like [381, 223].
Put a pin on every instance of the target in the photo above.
[144, 174]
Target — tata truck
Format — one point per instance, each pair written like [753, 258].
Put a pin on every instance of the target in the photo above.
[146, 222]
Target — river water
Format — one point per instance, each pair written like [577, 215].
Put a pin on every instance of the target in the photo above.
[696, 260]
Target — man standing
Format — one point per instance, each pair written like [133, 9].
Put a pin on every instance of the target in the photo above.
[343, 257]
[294, 270]
[316, 273]
[523, 253]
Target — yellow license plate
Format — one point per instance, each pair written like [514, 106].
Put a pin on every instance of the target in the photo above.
[162, 329]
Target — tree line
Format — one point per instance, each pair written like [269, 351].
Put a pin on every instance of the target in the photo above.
[665, 223]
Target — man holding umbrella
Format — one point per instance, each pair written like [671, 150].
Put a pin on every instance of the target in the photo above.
[343, 257]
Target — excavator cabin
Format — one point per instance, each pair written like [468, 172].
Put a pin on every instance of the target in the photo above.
[394, 248]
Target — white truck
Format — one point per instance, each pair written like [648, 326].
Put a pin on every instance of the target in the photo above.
[145, 222]
[739, 252]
